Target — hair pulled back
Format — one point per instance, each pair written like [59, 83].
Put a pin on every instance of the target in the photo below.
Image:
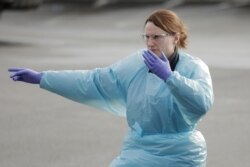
[171, 23]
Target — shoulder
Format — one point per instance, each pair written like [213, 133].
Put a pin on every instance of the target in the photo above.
[132, 61]
[125, 69]
[137, 55]
[188, 63]
[187, 59]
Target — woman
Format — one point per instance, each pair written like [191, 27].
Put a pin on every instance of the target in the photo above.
[162, 92]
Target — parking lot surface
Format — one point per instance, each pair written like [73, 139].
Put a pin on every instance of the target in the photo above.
[40, 129]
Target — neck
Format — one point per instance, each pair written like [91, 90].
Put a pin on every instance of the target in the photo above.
[173, 59]
[171, 56]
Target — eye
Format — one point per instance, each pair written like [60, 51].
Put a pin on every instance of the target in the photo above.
[156, 37]
[145, 37]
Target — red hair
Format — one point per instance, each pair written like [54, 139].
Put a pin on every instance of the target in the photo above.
[171, 23]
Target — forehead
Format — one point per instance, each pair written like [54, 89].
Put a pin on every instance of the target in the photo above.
[152, 28]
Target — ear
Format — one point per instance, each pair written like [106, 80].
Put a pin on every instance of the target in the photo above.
[176, 38]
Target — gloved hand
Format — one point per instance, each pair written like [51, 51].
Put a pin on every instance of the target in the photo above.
[158, 66]
[25, 75]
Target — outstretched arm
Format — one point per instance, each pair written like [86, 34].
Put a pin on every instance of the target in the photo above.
[97, 88]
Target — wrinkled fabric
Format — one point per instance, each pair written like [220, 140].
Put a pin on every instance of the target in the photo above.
[162, 116]
[172, 150]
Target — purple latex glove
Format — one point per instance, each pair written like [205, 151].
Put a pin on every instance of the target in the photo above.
[158, 66]
[25, 75]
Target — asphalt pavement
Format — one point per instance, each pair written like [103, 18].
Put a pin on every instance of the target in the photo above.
[41, 129]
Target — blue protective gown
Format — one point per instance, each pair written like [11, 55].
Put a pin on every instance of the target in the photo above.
[162, 116]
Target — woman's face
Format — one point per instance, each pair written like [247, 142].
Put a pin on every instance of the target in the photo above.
[158, 40]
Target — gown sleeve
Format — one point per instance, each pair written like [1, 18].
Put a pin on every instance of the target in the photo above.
[192, 89]
[102, 88]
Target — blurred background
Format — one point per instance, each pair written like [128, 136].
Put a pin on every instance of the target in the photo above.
[39, 129]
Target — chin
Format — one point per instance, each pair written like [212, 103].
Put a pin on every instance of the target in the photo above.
[157, 53]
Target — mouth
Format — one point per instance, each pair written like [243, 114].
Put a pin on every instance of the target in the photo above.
[155, 51]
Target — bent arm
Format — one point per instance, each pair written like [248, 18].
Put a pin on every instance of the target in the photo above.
[194, 94]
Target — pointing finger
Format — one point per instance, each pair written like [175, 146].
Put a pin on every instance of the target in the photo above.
[15, 69]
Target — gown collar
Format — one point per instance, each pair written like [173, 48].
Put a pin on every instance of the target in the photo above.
[173, 59]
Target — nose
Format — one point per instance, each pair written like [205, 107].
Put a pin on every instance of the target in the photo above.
[150, 42]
